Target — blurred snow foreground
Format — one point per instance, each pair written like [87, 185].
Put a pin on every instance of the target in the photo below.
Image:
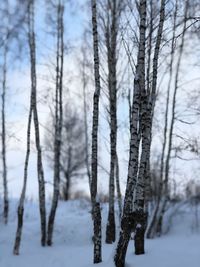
[72, 246]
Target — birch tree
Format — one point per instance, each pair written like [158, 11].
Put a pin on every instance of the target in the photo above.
[111, 31]
[58, 118]
[171, 127]
[147, 110]
[155, 226]
[96, 212]
[128, 221]
[33, 114]
[3, 136]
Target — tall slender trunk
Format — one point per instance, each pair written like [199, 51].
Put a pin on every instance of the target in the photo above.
[111, 43]
[3, 138]
[148, 99]
[111, 32]
[151, 228]
[96, 212]
[127, 223]
[58, 119]
[36, 124]
[32, 113]
[147, 111]
[23, 194]
[167, 164]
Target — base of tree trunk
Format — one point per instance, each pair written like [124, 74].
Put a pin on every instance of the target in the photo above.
[50, 228]
[5, 212]
[127, 226]
[20, 214]
[96, 213]
[110, 228]
[139, 242]
[159, 226]
[122, 246]
[140, 233]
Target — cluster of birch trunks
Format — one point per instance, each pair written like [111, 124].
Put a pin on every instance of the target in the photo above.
[134, 217]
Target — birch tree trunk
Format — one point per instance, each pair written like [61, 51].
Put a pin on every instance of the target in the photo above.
[32, 113]
[36, 124]
[151, 228]
[167, 164]
[20, 209]
[3, 138]
[58, 119]
[96, 212]
[112, 86]
[111, 32]
[147, 111]
[128, 218]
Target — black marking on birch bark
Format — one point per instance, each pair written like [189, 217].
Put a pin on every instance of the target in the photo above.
[3, 139]
[96, 212]
[111, 32]
[32, 112]
[58, 120]
[134, 143]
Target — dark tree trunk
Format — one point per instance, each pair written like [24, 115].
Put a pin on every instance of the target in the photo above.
[139, 82]
[66, 187]
[22, 197]
[128, 224]
[162, 210]
[3, 139]
[36, 124]
[58, 120]
[96, 212]
[32, 112]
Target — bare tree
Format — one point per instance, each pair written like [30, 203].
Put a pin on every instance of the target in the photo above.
[32, 113]
[171, 128]
[96, 212]
[3, 136]
[73, 149]
[112, 25]
[160, 181]
[128, 218]
[147, 110]
[58, 117]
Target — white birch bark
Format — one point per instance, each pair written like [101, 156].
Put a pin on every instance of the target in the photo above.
[32, 114]
[96, 212]
[127, 223]
[58, 119]
[147, 111]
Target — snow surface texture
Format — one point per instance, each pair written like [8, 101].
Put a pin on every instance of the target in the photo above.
[73, 247]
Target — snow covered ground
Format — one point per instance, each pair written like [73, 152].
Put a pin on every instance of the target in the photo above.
[73, 245]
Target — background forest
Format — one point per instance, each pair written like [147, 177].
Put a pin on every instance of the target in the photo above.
[100, 133]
